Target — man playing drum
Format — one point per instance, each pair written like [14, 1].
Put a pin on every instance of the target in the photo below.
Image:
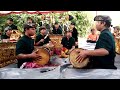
[104, 54]
[25, 46]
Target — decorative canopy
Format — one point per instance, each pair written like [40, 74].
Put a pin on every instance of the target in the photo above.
[29, 12]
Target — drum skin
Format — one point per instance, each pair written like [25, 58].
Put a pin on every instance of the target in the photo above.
[72, 58]
[45, 57]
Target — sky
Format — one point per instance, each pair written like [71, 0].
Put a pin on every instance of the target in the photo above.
[115, 16]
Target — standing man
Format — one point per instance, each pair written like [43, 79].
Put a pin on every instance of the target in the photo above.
[25, 46]
[103, 57]
[57, 29]
[74, 33]
[10, 23]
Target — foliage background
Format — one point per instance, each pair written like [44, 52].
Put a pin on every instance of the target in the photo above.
[82, 19]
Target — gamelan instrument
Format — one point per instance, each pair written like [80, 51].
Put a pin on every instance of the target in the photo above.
[16, 34]
[56, 41]
[64, 53]
[44, 54]
[72, 58]
[117, 44]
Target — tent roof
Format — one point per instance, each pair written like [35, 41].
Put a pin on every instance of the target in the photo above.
[29, 12]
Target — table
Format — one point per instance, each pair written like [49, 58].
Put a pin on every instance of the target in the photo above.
[84, 45]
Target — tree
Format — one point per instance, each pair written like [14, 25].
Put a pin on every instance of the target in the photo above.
[81, 18]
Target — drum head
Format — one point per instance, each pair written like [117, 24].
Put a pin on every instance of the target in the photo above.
[72, 58]
[45, 57]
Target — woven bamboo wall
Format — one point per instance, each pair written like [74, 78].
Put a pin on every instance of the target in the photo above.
[7, 54]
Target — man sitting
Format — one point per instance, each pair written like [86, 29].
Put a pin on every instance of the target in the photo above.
[93, 37]
[25, 46]
[8, 32]
[116, 31]
[42, 38]
[68, 41]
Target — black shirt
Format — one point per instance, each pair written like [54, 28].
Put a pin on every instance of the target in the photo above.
[68, 43]
[75, 34]
[39, 37]
[107, 42]
[4, 36]
[24, 46]
[57, 31]
[13, 27]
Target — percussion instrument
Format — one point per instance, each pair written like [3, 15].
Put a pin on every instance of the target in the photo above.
[117, 44]
[16, 34]
[56, 40]
[72, 58]
[64, 53]
[50, 47]
[45, 56]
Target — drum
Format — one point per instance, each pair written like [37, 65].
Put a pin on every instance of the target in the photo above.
[45, 56]
[72, 58]
[50, 47]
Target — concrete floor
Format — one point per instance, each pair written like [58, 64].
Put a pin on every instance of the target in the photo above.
[117, 61]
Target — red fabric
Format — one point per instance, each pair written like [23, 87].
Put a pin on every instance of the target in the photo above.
[57, 51]
[29, 12]
[34, 65]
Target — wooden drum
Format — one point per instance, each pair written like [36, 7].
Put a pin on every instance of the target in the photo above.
[72, 58]
[45, 56]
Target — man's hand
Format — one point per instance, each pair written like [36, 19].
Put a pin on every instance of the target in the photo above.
[81, 56]
[34, 55]
[51, 53]
[76, 43]
[42, 40]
